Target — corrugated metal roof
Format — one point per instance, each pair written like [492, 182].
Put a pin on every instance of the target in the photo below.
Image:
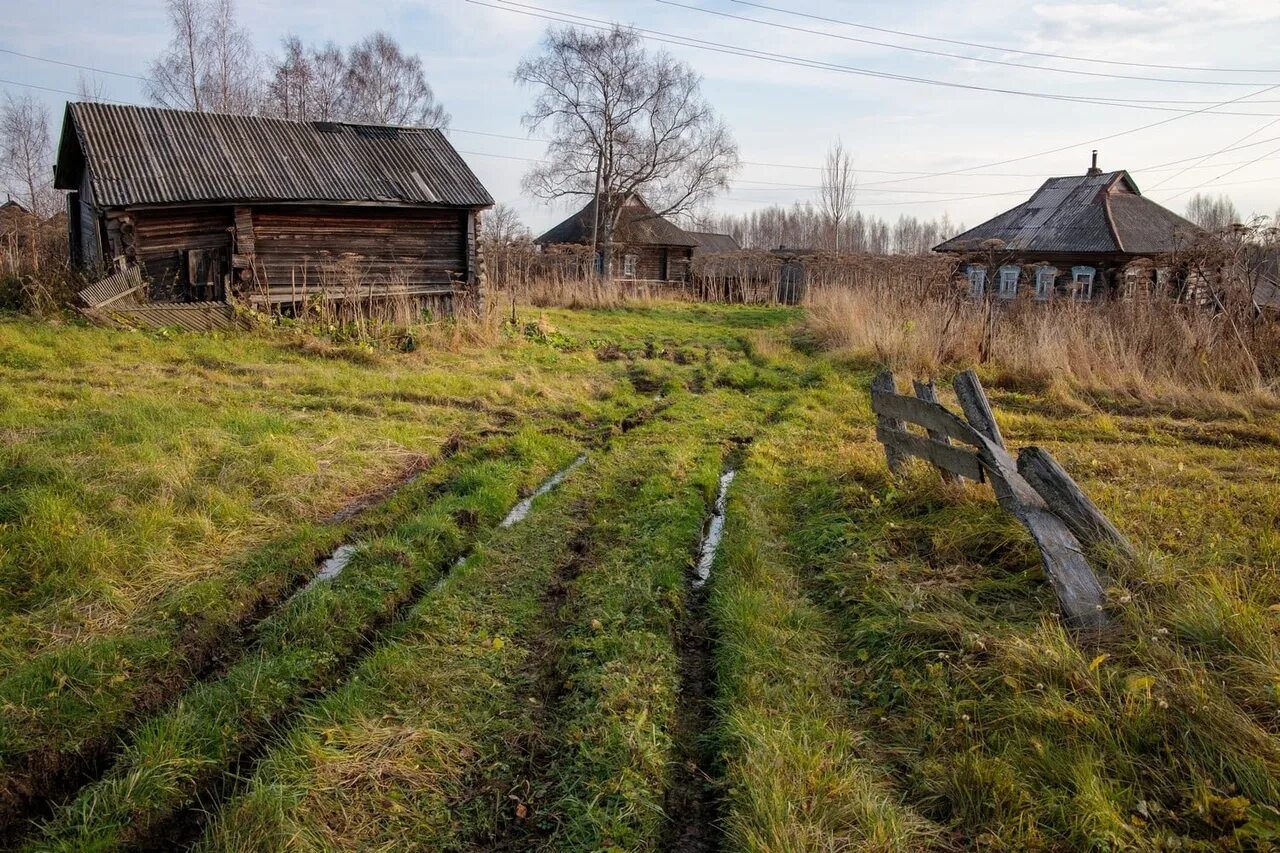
[147, 155]
[1102, 213]
[638, 225]
[711, 242]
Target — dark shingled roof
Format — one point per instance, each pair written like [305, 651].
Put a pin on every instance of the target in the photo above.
[1103, 212]
[147, 155]
[638, 225]
[711, 242]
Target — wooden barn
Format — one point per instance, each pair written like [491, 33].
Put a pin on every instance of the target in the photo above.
[1080, 237]
[274, 212]
[646, 247]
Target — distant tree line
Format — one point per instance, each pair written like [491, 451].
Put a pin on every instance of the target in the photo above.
[809, 226]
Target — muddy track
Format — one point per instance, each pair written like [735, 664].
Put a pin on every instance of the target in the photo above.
[523, 823]
[46, 777]
[693, 798]
[184, 828]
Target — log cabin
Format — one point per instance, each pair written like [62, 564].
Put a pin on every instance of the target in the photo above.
[646, 247]
[273, 212]
[1081, 237]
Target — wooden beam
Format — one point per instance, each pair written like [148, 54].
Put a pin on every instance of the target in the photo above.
[976, 406]
[953, 461]
[931, 416]
[884, 384]
[1069, 502]
[927, 393]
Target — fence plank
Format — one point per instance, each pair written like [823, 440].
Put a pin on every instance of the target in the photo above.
[952, 460]
[931, 416]
[976, 406]
[927, 392]
[1069, 502]
[884, 384]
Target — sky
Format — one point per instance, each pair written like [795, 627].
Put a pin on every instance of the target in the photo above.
[784, 116]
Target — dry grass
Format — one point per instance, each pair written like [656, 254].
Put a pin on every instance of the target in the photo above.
[1139, 349]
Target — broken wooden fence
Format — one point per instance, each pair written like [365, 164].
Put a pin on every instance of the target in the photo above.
[1035, 489]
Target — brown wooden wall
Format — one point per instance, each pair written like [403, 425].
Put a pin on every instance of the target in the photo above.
[298, 250]
[656, 263]
[162, 240]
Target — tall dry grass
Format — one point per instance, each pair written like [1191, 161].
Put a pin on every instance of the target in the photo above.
[1142, 348]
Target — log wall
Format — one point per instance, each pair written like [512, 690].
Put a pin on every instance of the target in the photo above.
[300, 250]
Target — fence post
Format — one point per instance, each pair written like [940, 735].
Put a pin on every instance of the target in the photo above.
[1069, 502]
[884, 384]
[927, 392]
[976, 406]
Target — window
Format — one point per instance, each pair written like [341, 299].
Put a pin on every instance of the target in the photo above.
[1082, 283]
[977, 281]
[629, 266]
[1009, 281]
[1045, 278]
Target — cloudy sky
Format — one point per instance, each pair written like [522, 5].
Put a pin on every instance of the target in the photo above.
[785, 112]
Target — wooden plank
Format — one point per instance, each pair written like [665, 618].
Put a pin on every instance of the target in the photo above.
[1069, 502]
[931, 416]
[976, 406]
[927, 393]
[952, 460]
[883, 384]
[1080, 595]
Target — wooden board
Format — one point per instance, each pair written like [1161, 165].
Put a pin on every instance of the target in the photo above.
[963, 463]
[931, 416]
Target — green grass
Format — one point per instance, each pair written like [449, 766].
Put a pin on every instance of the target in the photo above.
[890, 674]
[441, 737]
[301, 649]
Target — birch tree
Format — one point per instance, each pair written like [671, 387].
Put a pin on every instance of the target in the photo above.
[623, 122]
[837, 189]
[26, 155]
[385, 85]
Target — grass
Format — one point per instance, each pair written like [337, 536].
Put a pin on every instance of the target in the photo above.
[301, 649]
[889, 671]
[546, 646]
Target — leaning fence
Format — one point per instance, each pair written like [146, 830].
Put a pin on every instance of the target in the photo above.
[1035, 489]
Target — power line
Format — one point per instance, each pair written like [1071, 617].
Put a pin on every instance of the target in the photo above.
[74, 65]
[1224, 174]
[800, 62]
[966, 57]
[1215, 154]
[1005, 49]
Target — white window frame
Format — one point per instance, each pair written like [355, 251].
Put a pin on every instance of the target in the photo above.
[629, 264]
[977, 281]
[1045, 279]
[1082, 283]
[1009, 275]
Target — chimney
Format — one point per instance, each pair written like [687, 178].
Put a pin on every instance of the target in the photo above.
[1094, 170]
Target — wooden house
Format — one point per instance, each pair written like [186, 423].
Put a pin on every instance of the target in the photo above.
[276, 212]
[1079, 237]
[646, 247]
[712, 243]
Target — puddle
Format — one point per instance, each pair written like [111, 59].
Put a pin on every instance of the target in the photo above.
[715, 532]
[521, 510]
[339, 559]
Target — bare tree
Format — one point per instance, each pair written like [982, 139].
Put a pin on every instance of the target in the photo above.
[230, 81]
[502, 225]
[175, 77]
[26, 156]
[384, 85]
[838, 188]
[1212, 213]
[289, 89]
[623, 122]
[328, 82]
[90, 88]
